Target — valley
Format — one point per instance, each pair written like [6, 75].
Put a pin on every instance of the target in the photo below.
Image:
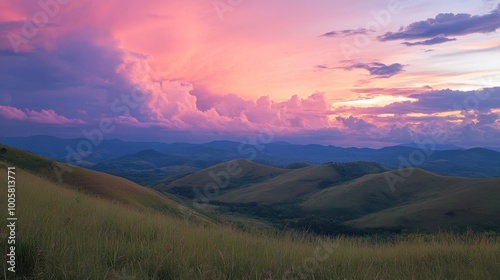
[125, 231]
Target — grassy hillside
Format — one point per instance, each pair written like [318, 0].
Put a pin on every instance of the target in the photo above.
[65, 234]
[372, 192]
[229, 175]
[90, 182]
[299, 182]
[423, 202]
[476, 207]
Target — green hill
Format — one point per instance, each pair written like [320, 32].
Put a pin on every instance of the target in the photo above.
[422, 202]
[225, 176]
[299, 182]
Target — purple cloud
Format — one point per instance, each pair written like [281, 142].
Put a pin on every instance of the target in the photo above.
[43, 116]
[355, 123]
[442, 101]
[377, 69]
[446, 25]
[77, 71]
[347, 32]
[433, 41]
[488, 118]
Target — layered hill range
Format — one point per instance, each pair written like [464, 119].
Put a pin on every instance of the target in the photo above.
[147, 162]
[328, 198]
[359, 195]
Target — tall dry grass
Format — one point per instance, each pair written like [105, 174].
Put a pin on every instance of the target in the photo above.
[63, 234]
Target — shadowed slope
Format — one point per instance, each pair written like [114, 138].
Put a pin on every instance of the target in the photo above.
[226, 176]
[424, 201]
[301, 181]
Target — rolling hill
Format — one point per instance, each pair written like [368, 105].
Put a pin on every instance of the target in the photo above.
[350, 197]
[227, 176]
[423, 202]
[264, 184]
[355, 195]
[285, 188]
[299, 182]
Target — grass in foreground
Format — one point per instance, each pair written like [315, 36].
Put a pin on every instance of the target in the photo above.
[64, 234]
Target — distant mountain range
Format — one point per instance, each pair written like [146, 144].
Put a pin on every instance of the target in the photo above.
[148, 162]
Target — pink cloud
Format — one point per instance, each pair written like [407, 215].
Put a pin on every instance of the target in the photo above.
[231, 105]
[43, 116]
[172, 104]
[12, 113]
[243, 89]
[50, 117]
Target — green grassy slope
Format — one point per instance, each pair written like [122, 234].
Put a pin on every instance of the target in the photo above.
[475, 206]
[65, 234]
[423, 201]
[300, 182]
[232, 174]
[285, 187]
[372, 192]
[90, 182]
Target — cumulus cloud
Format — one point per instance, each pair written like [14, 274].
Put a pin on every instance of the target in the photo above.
[400, 129]
[437, 30]
[75, 76]
[438, 101]
[50, 117]
[43, 116]
[355, 123]
[12, 113]
[174, 104]
[467, 118]
[232, 105]
[85, 72]
[79, 74]
[489, 118]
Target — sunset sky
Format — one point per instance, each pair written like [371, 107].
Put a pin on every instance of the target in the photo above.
[346, 73]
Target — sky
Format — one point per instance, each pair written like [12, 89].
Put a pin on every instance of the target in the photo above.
[346, 73]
